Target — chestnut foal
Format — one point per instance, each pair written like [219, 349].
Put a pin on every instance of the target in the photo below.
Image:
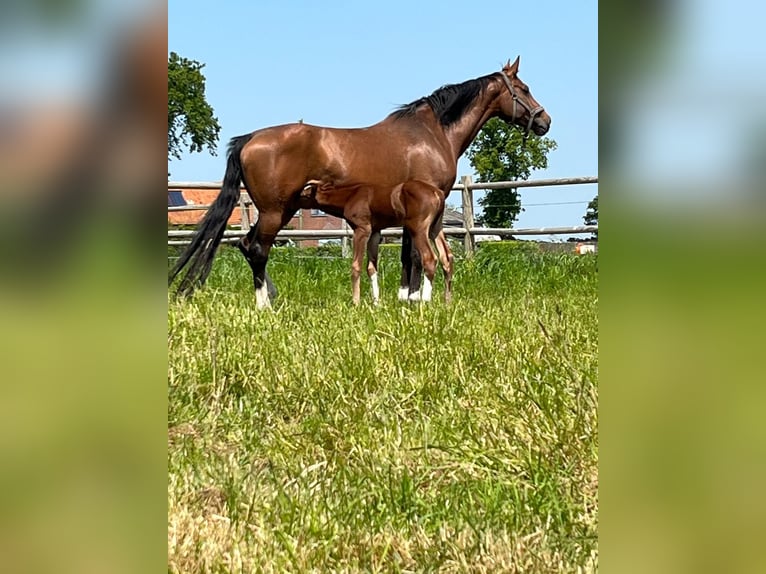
[415, 205]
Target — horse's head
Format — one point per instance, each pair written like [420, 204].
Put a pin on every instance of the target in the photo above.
[517, 106]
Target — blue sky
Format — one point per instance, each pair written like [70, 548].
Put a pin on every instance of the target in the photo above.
[348, 64]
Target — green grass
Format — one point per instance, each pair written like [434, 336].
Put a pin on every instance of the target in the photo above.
[320, 436]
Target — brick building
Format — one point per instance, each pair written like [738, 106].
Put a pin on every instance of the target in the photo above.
[304, 219]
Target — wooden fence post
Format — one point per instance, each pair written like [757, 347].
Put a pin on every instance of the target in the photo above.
[344, 251]
[298, 242]
[467, 193]
[244, 212]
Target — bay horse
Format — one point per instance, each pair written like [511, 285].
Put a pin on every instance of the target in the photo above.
[416, 205]
[421, 141]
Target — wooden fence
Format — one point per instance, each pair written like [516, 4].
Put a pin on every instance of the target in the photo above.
[469, 231]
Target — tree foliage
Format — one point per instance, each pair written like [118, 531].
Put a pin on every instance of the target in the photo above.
[191, 123]
[591, 215]
[499, 154]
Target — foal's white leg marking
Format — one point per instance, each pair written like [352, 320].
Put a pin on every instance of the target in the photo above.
[403, 293]
[375, 287]
[262, 297]
[414, 297]
[427, 288]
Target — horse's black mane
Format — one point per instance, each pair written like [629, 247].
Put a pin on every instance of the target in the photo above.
[449, 102]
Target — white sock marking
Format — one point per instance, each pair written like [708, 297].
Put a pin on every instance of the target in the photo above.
[427, 289]
[375, 287]
[403, 293]
[262, 297]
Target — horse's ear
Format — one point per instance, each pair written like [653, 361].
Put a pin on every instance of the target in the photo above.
[512, 69]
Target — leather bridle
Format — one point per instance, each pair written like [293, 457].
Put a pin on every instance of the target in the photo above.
[533, 113]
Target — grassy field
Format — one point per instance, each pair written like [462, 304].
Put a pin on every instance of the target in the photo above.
[326, 437]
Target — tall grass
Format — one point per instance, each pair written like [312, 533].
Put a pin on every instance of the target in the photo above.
[327, 437]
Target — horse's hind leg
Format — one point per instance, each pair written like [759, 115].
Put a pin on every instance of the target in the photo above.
[256, 246]
[243, 247]
[373, 246]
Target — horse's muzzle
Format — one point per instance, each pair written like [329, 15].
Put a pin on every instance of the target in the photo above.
[542, 124]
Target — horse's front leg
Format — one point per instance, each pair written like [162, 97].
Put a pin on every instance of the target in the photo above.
[416, 273]
[406, 259]
[425, 261]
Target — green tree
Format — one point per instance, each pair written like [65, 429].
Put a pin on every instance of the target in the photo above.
[591, 214]
[191, 123]
[499, 154]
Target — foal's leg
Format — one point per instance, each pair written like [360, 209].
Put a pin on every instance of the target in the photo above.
[447, 261]
[424, 213]
[361, 235]
[373, 245]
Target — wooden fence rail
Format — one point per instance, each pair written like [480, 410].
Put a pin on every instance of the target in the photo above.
[456, 187]
[469, 231]
[397, 232]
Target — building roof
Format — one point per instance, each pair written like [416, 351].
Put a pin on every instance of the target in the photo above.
[452, 217]
[176, 198]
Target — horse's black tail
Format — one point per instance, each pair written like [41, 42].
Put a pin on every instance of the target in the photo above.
[199, 254]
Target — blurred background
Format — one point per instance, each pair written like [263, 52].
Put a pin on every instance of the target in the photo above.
[82, 304]
[681, 307]
[82, 297]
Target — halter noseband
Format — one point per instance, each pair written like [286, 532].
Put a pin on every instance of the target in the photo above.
[532, 112]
